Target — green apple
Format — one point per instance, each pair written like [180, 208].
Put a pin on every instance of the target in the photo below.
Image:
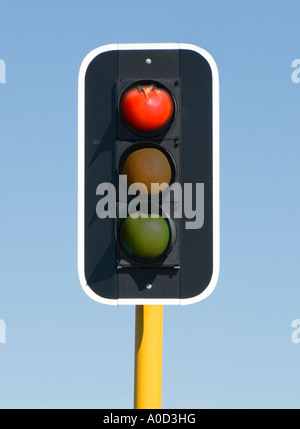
[144, 236]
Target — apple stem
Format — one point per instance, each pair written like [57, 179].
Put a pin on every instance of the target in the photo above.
[145, 91]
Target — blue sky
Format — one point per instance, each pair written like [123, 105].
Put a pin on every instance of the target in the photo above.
[233, 350]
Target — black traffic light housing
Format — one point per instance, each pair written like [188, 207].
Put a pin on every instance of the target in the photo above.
[187, 270]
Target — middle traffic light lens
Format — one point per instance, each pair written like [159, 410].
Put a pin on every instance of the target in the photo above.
[148, 165]
[145, 237]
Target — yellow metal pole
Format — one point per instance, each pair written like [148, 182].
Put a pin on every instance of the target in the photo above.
[148, 356]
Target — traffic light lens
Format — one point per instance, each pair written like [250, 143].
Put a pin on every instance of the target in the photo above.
[145, 237]
[148, 166]
[147, 108]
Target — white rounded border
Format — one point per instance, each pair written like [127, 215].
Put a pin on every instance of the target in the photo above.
[216, 179]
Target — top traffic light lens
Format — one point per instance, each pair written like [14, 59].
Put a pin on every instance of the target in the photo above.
[147, 109]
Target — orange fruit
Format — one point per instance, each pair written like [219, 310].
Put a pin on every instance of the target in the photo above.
[148, 165]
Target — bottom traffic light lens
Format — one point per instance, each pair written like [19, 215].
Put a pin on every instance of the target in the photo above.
[145, 237]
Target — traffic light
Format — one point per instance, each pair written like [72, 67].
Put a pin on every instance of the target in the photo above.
[148, 200]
